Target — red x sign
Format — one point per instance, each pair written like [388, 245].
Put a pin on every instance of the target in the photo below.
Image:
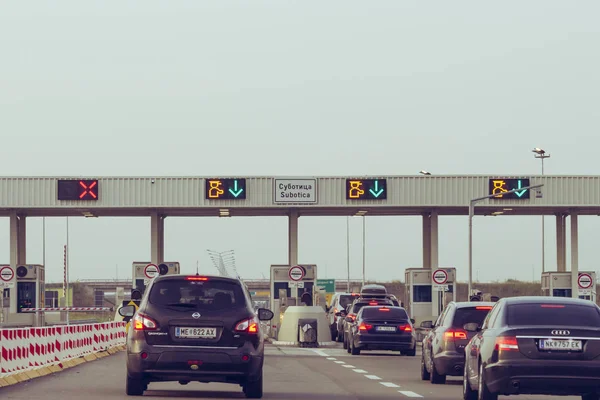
[88, 190]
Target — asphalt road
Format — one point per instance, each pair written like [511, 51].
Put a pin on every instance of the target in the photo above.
[290, 373]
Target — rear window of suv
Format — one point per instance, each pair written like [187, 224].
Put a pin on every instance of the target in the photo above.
[203, 295]
[467, 315]
[346, 299]
[554, 314]
[385, 313]
[358, 306]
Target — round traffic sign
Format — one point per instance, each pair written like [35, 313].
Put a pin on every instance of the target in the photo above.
[151, 271]
[7, 274]
[584, 280]
[439, 276]
[296, 273]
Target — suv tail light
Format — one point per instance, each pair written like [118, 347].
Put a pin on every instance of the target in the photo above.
[142, 322]
[247, 326]
[364, 327]
[506, 343]
[455, 334]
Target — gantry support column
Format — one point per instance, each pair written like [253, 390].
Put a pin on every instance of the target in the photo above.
[430, 241]
[18, 250]
[157, 238]
[561, 243]
[293, 237]
[430, 256]
[575, 256]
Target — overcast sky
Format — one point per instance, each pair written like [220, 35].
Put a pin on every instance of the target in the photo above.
[215, 88]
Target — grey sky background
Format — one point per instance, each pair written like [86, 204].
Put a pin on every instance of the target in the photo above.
[299, 88]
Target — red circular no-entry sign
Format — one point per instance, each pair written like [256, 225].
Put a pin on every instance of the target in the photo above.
[151, 271]
[7, 274]
[584, 280]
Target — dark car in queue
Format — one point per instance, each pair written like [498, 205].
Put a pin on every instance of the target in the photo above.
[196, 328]
[535, 345]
[443, 350]
[382, 328]
[353, 311]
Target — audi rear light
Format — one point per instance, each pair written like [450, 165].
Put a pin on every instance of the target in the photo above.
[142, 322]
[364, 327]
[455, 334]
[247, 326]
[506, 343]
[196, 278]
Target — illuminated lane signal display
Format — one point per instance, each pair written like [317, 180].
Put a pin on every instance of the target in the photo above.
[78, 189]
[499, 187]
[225, 189]
[366, 189]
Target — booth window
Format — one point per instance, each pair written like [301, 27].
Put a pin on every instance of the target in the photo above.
[422, 294]
[561, 292]
[281, 285]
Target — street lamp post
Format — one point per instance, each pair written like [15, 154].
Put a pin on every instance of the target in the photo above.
[471, 212]
[541, 154]
[348, 250]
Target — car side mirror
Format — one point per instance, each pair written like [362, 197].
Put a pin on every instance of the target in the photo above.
[136, 294]
[265, 315]
[471, 327]
[127, 311]
[426, 324]
[349, 319]
[412, 321]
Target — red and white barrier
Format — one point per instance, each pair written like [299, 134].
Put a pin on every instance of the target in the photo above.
[67, 309]
[24, 349]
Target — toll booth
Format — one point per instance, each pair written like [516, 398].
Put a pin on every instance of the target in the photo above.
[31, 286]
[143, 272]
[559, 284]
[427, 294]
[285, 291]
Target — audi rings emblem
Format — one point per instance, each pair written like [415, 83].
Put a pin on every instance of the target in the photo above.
[560, 332]
[196, 315]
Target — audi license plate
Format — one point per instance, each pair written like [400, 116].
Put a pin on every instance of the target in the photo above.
[560, 345]
[196, 333]
[386, 328]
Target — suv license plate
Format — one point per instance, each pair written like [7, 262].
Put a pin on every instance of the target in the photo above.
[386, 328]
[560, 345]
[196, 333]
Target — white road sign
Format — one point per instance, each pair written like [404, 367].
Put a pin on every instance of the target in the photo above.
[296, 273]
[439, 276]
[295, 190]
[584, 281]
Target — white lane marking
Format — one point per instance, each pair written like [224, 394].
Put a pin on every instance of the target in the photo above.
[389, 384]
[409, 394]
[348, 366]
[360, 371]
[374, 377]
[331, 358]
[321, 353]
[339, 362]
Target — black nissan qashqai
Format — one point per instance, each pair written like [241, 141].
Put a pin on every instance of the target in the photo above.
[195, 328]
